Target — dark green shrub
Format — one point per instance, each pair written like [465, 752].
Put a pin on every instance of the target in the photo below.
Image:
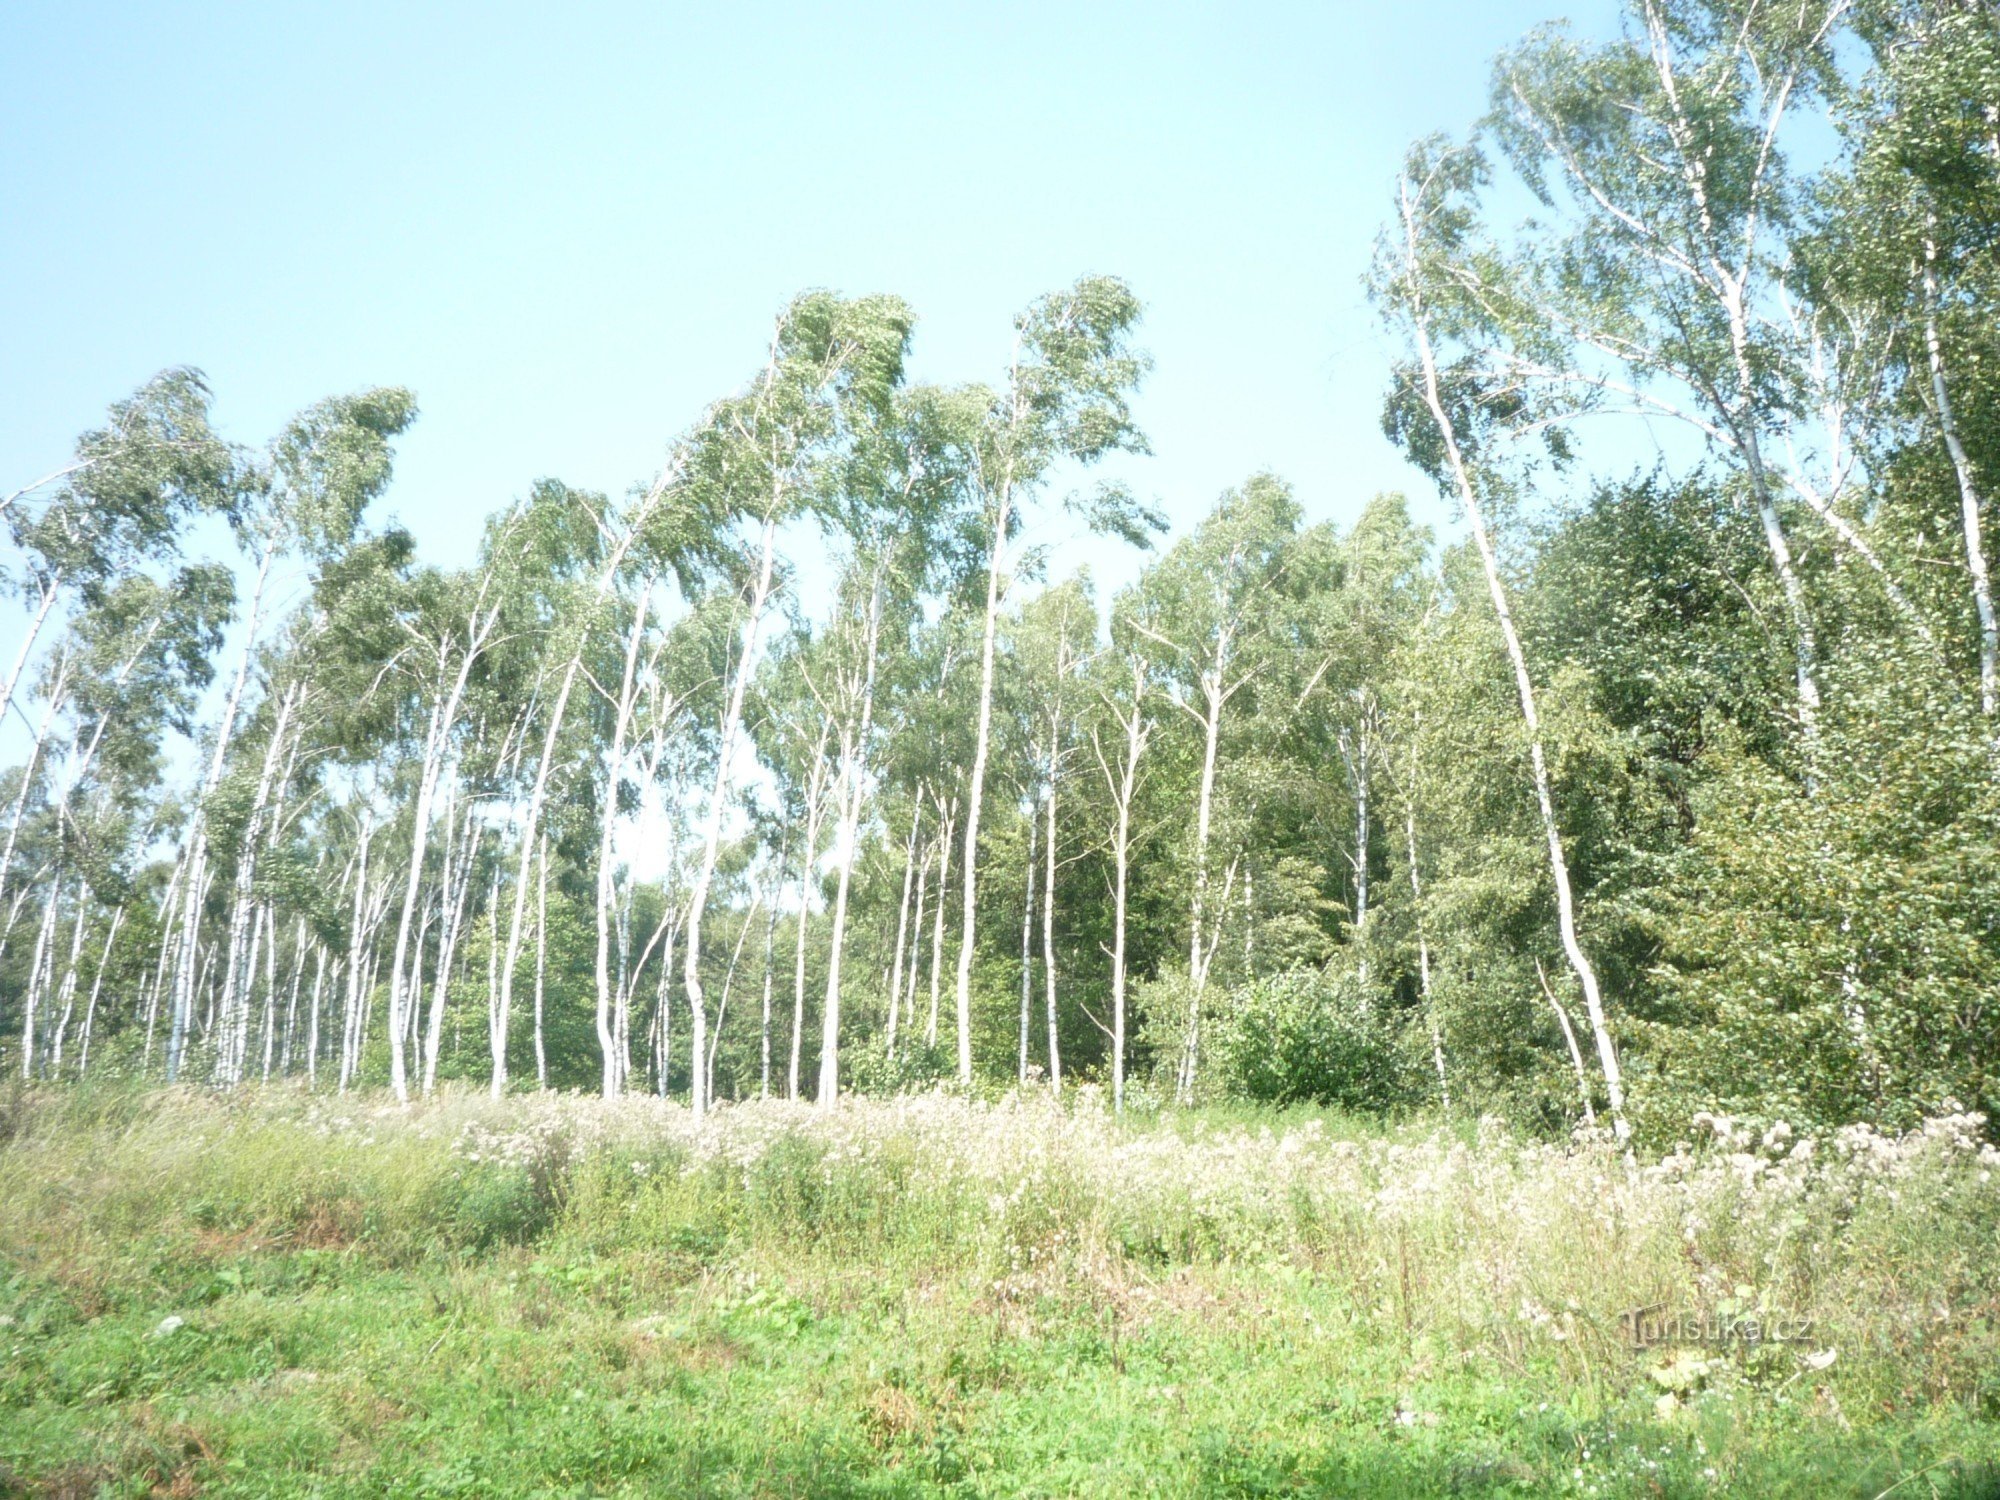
[1307, 1038]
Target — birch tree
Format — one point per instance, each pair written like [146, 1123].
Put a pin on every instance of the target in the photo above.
[1118, 743]
[1215, 596]
[1906, 229]
[1666, 297]
[1065, 399]
[306, 495]
[119, 505]
[763, 460]
[1433, 224]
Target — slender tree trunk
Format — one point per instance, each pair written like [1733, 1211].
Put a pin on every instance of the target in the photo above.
[351, 1022]
[541, 963]
[66, 992]
[1805, 647]
[722, 1006]
[815, 815]
[1123, 784]
[1968, 495]
[902, 931]
[621, 989]
[1049, 924]
[96, 986]
[718, 807]
[770, 943]
[607, 1038]
[44, 604]
[1575, 1052]
[312, 1022]
[458, 857]
[197, 833]
[1027, 952]
[799, 976]
[663, 1013]
[58, 693]
[855, 758]
[270, 987]
[437, 743]
[1204, 812]
[915, 961]
[244, 911]
[236, 1016]
[1524, 686]
[42, 938]
[976, 788]
[1731, 290]
[292, 1001]
[502, 1010]
[170, 905]
[937, 925]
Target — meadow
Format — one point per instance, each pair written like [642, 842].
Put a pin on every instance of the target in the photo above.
[280, 1294]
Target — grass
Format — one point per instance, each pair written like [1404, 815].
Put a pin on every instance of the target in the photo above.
[274, 1295]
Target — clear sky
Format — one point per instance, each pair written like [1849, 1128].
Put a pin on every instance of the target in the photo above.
[566, 227]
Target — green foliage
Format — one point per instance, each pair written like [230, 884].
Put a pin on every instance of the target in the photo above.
[941, 1298]
[1307, 1037]
[1345, 844]
[134, 483]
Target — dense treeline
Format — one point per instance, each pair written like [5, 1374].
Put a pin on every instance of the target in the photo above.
[796, 770]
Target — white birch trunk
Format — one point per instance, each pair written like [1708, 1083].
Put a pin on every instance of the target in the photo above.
[1968, 495]
[42, 936]
[437, 744]
[57, 693]
[1211, 720]
[1049, 924]
[1027, 952]
[66, 992]
[1524, 684]
[976, 789]
[937, 924]
[243, 910]
[96, 986]
[808, 867]
[351, 1017]
[197, 833]
[770, 943]
[1123, 784]
[854, 792]
[456, 889]
[541, 963]
[718, 808]
[1575, 1052]
[902, 931]
[607, 1032]
[43, 606]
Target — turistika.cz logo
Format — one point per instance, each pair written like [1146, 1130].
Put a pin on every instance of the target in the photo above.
[1646, 1327]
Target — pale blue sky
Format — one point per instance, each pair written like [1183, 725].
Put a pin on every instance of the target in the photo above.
[566, 227]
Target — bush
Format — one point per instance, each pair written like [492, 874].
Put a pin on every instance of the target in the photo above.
[1308, 1038]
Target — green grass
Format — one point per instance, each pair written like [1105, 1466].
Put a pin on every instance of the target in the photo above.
[955, 1300]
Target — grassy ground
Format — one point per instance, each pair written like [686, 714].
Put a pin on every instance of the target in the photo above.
[275, 1296]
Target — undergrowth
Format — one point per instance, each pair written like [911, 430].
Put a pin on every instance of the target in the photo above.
[277, 1294]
